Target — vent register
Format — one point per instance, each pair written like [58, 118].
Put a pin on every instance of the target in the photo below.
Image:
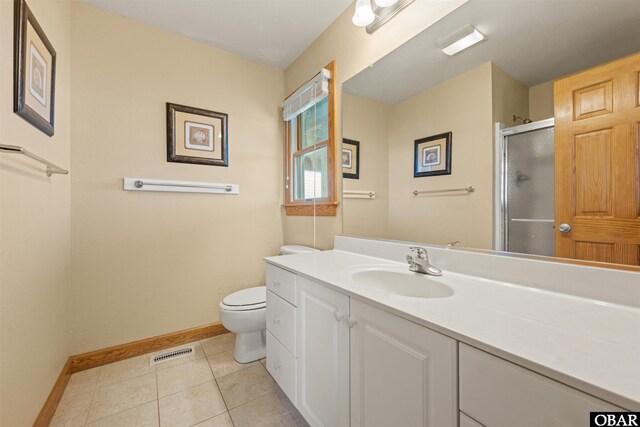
[171, 355]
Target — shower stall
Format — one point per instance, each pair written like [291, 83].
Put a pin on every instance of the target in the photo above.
[524, 193]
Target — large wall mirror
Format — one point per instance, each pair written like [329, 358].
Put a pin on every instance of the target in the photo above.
[476, 149]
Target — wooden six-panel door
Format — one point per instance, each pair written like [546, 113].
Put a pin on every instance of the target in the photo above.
[597, 167]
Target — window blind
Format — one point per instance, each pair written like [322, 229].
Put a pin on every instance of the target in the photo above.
[307, 95]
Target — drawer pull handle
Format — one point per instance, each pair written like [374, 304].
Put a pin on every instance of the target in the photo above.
[338, 316]
[276, 320]
[351, 321]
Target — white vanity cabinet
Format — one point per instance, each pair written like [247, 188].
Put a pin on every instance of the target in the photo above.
[345, 362]
[402, 374]
[323, 355]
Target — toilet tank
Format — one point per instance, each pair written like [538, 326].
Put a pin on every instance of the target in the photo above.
[295, 249]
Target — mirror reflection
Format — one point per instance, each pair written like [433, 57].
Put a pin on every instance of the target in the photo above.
[507, 125]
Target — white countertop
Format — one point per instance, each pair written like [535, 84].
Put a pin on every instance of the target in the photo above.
[588, 344]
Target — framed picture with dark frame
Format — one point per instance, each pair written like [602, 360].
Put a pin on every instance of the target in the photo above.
[432, 155]
[350, 159]
[197, 136]
[34, 70]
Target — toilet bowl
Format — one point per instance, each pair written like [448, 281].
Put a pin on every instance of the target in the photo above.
[245, 313]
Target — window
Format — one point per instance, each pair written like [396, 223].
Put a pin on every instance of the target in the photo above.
[310, 147]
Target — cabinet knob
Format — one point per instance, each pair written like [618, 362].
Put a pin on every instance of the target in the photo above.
[276, 283]
[338, 315]
[276, 320]
[351, 321]
[276, 365]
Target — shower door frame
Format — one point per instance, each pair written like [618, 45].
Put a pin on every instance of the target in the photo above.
[500, 219]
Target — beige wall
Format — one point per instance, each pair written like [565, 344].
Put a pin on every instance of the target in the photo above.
[366, 121]
[34, 233]
[509, 97]
[541, 101]
[353, 49]
[463, 106]
[150, 263]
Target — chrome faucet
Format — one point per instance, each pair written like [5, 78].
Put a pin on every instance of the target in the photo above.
[419, 263]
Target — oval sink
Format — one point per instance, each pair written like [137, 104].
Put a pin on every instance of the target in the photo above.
[398, 282]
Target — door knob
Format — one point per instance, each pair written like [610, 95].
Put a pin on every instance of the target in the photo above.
[564, 228]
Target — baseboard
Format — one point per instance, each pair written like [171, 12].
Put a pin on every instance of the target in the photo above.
[116, 353]
[51, 404]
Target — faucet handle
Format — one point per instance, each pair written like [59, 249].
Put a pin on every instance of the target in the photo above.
[422, 252]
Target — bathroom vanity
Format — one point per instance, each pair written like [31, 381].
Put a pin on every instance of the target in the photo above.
[355, 338]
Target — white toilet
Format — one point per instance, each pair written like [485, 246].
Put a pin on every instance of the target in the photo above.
[245, 313]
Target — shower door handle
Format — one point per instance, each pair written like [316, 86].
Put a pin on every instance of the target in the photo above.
[564, 228]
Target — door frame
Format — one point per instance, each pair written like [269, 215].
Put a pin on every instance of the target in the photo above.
[500, 217]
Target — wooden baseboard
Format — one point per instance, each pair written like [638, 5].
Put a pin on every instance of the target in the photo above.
[116, 353]
[51, 404]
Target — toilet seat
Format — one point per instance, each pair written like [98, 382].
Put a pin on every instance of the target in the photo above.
[246, 299]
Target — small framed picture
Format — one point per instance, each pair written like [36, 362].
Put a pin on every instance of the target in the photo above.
[34, 70]
[350, 159]
[196, 136]
[432, 155]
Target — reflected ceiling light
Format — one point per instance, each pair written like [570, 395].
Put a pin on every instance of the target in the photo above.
[364, 13]
[385, 3]
[373, 19]
[460, 40]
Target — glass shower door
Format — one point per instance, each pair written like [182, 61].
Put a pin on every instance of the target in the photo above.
[528, 191]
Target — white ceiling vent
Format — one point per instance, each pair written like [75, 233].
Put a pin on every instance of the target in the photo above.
[171, 355]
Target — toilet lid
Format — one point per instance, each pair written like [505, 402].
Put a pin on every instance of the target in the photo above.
[247, 297]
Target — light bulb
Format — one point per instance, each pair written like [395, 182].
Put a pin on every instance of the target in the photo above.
[364, 13]
[386, 3]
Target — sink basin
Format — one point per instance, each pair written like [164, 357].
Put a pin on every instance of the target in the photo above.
[399, 282]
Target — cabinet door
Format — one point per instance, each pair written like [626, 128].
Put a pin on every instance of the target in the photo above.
[402, 374]
[323, 355]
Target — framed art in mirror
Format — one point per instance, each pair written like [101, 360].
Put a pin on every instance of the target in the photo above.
[432, 155]
[34, 73]
[350, 159]
[196, 136]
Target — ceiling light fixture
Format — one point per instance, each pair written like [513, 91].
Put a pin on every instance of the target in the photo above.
[460, 40]
[364, 13]
[366, 16]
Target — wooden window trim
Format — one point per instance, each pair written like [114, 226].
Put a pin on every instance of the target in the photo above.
[321, 207]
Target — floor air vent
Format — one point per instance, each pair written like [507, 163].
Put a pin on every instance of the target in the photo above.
[172, 354]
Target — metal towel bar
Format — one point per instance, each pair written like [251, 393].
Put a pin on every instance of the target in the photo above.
[469, 189]
[51, 168]
[146, 184]
[140, 183]
[353, 194]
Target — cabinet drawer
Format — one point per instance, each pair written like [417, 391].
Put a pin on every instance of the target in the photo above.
[282, 366]
[499, 393]
[282, 283]
[281, 321]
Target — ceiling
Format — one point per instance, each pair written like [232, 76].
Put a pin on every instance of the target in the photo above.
[532, 40]
[273, 32]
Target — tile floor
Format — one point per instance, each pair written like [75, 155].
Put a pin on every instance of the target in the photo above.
[205, 389]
